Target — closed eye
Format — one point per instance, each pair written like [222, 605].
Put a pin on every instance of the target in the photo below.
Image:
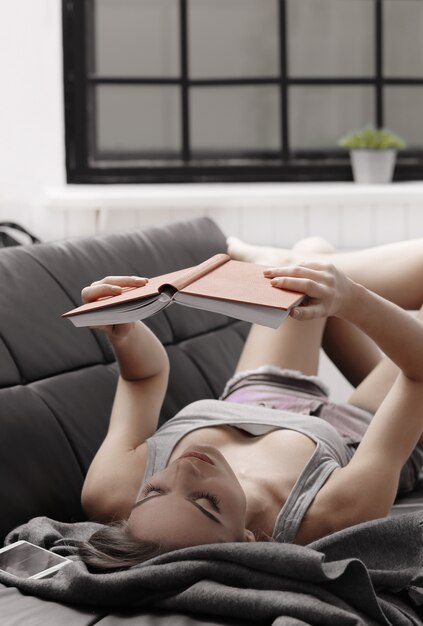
[149, 488]
[158, 492]
[198, 495]
[202, 495]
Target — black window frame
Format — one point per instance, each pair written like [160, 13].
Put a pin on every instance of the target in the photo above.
[291, 166]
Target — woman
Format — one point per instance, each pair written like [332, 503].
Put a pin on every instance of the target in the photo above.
[274, 459]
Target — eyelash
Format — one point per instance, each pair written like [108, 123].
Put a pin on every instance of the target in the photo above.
[209, 496]
[197, 496]
[149, 487]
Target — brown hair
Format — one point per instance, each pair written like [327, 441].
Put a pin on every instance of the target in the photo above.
[114, 547]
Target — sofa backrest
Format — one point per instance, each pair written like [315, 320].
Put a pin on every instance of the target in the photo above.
[57, 382]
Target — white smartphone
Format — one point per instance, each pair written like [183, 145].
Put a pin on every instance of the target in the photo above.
[26, 560]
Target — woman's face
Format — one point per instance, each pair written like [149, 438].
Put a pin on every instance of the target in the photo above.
[196, 500]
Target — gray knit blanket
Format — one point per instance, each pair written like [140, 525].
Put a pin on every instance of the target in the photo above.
[369, 574]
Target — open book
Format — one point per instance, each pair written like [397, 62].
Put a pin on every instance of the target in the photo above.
[220, 284]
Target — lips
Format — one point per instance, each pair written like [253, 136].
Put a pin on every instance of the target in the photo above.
[198, 455]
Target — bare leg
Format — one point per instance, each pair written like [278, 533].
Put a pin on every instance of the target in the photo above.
[294, 345]
[353, 353]
[394, 270]
[297, 345]
[372, 391]
[269, 255]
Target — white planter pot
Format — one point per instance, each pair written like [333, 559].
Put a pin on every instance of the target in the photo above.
[372, 167]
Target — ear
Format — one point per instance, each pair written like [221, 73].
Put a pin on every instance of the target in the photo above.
[249, 535]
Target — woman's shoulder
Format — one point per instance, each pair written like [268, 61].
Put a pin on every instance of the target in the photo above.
[112, 495]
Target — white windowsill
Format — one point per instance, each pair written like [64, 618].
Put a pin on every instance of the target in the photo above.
[115, 197]
[105, 198]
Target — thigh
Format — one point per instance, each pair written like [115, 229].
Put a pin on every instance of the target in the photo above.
[373, 389]
[351, 351]
[294, 345]
[371, 392]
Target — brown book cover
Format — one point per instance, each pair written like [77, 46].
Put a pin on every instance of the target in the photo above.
[219, 280]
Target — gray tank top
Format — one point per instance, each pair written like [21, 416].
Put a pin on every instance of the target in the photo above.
[330, 453]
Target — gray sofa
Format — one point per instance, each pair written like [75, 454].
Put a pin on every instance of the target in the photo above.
[57, 385]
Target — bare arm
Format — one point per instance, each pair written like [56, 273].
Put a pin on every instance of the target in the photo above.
[367, 487]
[116, 471]
[142, 383]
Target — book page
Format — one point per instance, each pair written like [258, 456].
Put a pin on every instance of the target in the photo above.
[253, 313]
[123, 312]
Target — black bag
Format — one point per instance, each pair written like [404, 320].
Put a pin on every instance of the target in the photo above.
[12, 234]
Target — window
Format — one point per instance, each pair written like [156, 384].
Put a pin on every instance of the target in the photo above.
[235, 90]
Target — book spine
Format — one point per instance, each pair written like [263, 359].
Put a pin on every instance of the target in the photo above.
[198, 271]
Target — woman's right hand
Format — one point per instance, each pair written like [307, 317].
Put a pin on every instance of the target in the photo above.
[327, 290]
[112, 286]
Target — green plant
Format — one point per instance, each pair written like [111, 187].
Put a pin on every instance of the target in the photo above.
[372, 139]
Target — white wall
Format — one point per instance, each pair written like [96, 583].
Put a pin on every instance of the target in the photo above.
[32, 153]
[32, 161]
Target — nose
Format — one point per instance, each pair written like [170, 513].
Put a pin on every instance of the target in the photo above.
[187, 468]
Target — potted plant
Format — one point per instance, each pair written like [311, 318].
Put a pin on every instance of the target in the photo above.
[373, 153]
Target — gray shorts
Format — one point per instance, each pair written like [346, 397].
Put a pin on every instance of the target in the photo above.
[291, 390]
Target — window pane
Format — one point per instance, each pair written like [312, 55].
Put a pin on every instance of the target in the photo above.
[235, 118]
[404, 113]
[137, 119]
[403, 42]
[319, 116]
[330, 37]
[133, 38]
[233, 38]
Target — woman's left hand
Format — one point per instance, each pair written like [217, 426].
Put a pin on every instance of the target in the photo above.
[328, 291]
[112, 286]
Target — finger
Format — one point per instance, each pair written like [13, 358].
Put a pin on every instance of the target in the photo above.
[302, 285]
[95, 292]
[272, 272]
[122, 281]
[323, 266]
[309, 269]
[310, 312]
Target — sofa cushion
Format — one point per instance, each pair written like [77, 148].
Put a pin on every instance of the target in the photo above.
[57, 382]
